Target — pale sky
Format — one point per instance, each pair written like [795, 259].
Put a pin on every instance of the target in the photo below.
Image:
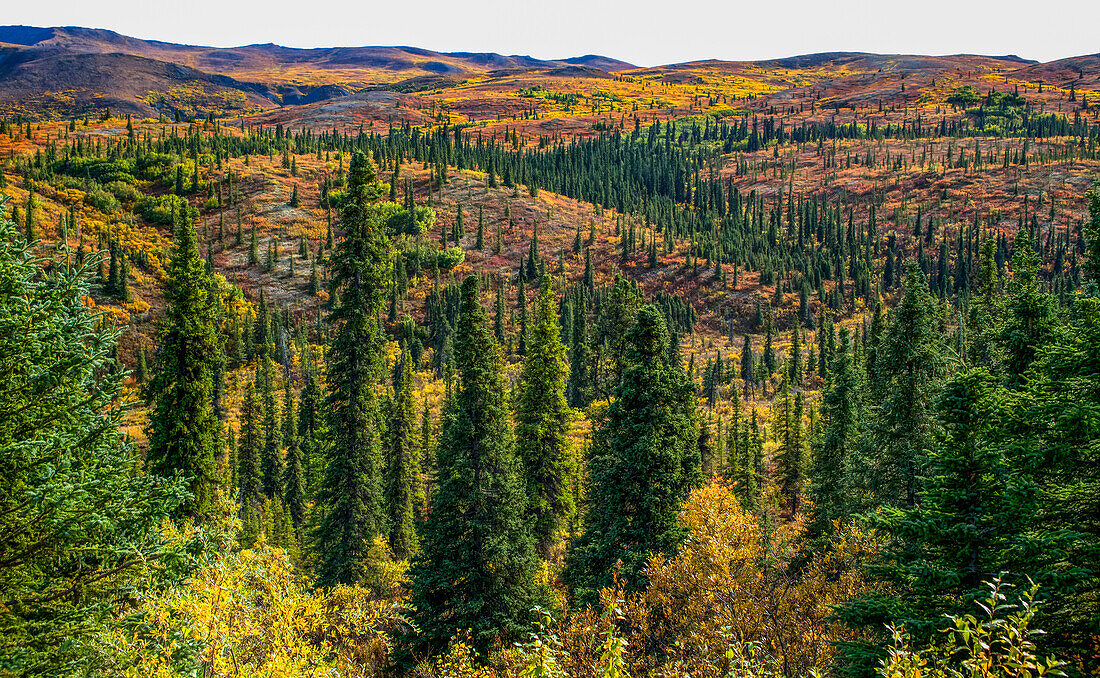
[643, 32]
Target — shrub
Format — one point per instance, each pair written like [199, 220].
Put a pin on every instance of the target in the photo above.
[450, 257]
[158, 208]
[124, 192]
[102, 200]
[995, 644]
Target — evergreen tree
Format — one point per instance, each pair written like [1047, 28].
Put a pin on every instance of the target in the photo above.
[1028, 321]
[1049, 435]
[768, 359]
[476, 533]
[314, 279]
[293, 481]
[271, 460]
[964, 530]
[745, 454]
[614, 321]
[30, 223]
[404, 489]
[794, 360]
[645, 461]
[748, 362]
[80, 524]
[250, 481]
[842, 421]
[542, 424]
[253, 248]
[480, 243]
[350, 496]
[521, 305]
[580, 357]
[787, 413]
[184, 433]
[908, 365]
[311, 420]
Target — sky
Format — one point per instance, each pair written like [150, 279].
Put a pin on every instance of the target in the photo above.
[643, 32]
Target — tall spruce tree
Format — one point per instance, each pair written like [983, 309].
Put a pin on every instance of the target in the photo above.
[1028, 312]
[477, 563]
[790, 457]
[748, 363]
[834, 445]
[909, 365]
[404, 487]
[580, 357]
[250, 484]
[271, 459]
[184, 432]
[964, 531]
[645, 461]
[616, 316]
[350, 497]
[293, 481]
[311, 421]
[542, 424]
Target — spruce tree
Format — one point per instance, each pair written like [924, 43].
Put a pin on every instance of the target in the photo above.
[748, 362]
[908, 365]
[580, 357]
[477, 563]
[271, 460]
[614, 321]
[1028, 323]
[80, 523]
[293, 481]
[404, 489]
[250, 483]
[645, 461]
[480, 243]
[794, 359]
[834, 445]
[542, 424]
[184, 433]
[350, 497]
[311, 421]
[965, 530]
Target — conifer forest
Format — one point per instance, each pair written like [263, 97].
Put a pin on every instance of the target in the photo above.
[546, 369]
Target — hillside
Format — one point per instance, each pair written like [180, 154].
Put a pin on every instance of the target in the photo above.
[704, 369]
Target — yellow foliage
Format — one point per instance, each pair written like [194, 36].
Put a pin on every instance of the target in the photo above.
[731, 592]
[250, 613]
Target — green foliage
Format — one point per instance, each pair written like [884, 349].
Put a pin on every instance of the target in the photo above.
[1092, 237]
[405, 500]
[477, 565]
[967, 525]
[835, 444]
[644, 463]
[964, 96]
[162, 209]
[407, 220]
[184, 432]
[542, 424]
[449, 257]
[999, 642]
[78, 521]
[351, 496]
[1028, 313]
[909, 363]
[250, 484]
